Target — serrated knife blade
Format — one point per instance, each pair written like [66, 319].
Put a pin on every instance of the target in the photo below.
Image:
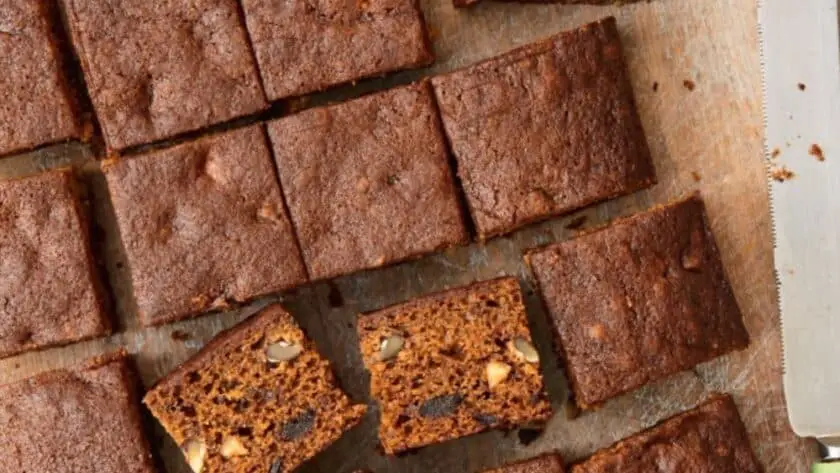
[801, 67]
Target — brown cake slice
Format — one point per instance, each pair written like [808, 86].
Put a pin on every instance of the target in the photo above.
[203, 225]
[368, 181]
[37, 106]
[453, 364]
[158, 69]
[551, 463]
[710, 438]
[82, 420]
[258, 397]
[638, 300]
[545, 129]
[49, 292]
[305, 47]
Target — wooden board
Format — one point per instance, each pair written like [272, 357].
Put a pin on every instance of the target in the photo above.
[708, 139]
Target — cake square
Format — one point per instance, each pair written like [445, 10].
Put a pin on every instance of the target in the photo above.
[158, 69]
[258, 397]
[453, 364]
[368, 181]
[638, 300]
[303, 47]
[545, 129]
[203, 224]
[49, 292]
[551, 463]
[37, 106]
[81, 420]
[710, 438]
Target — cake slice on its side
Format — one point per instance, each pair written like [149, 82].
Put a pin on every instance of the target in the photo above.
[258, 397]
[453, 364]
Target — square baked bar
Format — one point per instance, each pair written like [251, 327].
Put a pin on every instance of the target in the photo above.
[82, 420]
[453, 364]
[304, 47]
[37, 106]
[49, 291]
[158, 69]
[368, 181]
[257, 398]
[710, 438]
[545, 129]
[551, 463]
[203, 224]
[638, 300]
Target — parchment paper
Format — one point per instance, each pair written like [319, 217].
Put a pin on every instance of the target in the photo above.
[708, 139]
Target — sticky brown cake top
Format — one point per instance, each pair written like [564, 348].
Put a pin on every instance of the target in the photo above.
[48, 288]
[158, 69]
[367, 181]
[37, 107]
[81, 420]
[545, 129]
[257, 398]
[203, 224]
[551, 463]
[638, 300]
[303, 47]
[453, 364]
[710, 438]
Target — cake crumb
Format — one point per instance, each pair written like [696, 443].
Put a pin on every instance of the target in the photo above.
[689, 84]
[801, 86]
[782, 174]
[696, 176]
[816, 151]
[775, 153]
[655, 86]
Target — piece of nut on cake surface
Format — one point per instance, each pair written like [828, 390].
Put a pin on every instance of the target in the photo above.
[638, 300]
[453, 364]
[258, 397]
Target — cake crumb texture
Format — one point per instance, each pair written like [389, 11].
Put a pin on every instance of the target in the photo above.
[303, 47]
[258, 397]
[453, 364]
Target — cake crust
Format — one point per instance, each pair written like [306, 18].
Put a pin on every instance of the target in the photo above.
[49, 291]
[657, 300]
[189, 66]
[213, 232]
[368, 181]
[710, 438]
[32, 112]
[545, 129]
[360, 39]
[84, 419]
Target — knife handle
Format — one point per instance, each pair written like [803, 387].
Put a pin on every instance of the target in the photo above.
[826, 468]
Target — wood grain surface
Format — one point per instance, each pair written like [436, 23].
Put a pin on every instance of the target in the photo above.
[707, 139]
